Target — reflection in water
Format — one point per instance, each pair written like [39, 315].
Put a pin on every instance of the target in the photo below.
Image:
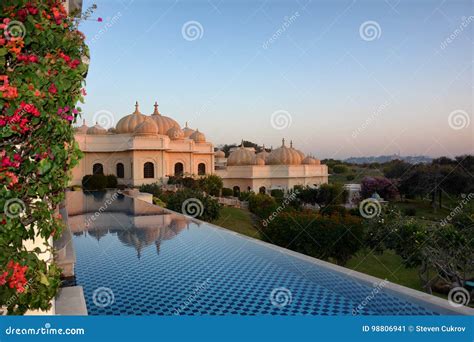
[136, 223]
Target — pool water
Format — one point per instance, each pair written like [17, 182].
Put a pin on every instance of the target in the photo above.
[134, 258]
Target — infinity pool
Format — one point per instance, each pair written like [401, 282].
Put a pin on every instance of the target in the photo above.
[134, 258]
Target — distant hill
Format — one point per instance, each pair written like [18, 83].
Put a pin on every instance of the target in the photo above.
[384, 159]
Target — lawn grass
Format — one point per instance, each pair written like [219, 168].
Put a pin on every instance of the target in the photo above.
[385, 266]
[237, 220]
[424, 210]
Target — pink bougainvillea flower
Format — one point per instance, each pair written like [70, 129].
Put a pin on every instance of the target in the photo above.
[83, 91]
[99, 19]
[52, 89]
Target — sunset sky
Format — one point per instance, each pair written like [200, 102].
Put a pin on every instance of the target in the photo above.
[343, 91]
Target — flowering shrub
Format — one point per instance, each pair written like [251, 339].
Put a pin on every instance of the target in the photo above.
[41, 80]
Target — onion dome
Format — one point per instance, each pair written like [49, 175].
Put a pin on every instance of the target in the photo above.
[175, 133]
[241, 156]
[147, 127]
[309, 161]
[298, 151]
[219, 154]
[82, 129]
[96, 130]
[198, 137]
[164, 123]
[264, 154]
[259, 161]
[129, 123]
[188, 131]
[284, 156]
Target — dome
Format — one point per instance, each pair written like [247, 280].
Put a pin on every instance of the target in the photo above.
[311, 161]
[175, 133]
[284, 156]
[198, 137]
[82, 129]
[147, 127]
[129, 123]
[259, 161]
[219, 154]
[164, 123]
[297, 151]
[241, 156]
[264, 154]
[96, 130]
[188, 131]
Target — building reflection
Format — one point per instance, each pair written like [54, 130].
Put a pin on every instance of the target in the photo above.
[136, 223]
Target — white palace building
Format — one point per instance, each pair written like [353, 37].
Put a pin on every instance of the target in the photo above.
[145, 149]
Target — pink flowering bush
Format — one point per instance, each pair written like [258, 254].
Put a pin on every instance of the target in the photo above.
[41, 81]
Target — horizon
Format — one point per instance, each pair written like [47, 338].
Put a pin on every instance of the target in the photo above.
[345, 79]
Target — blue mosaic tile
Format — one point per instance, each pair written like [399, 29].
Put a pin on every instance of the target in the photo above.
[198, 269]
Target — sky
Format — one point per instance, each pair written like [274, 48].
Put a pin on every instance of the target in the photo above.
[338, 78]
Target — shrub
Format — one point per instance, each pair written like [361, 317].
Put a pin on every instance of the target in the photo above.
[198, 205]
[262, 205]
[332, 210]
[350, 177]
[277, 193]
[334, 237]
[211, 184]
[154, 189]
[227, 192]
[340, 168]
[41, 78]
[331, 194]
[111, 181]
[94, 182]
[245, 195]
[383, 186]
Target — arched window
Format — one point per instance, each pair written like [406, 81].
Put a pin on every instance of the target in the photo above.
[97, 169]
[178, 169]
[262, 190]
[148, 170]
[236, 191]
[120, 170]
[201, 169]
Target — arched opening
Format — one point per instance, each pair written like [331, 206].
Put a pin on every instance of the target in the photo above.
[262, 190]
[148, 170]
[236, 191]
[201, 169]
[178, 169]
[120, 170]
[97, 169]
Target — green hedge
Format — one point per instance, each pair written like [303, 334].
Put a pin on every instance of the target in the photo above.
[227, 192]
[198, 205]
[262, 205]
[324, 237]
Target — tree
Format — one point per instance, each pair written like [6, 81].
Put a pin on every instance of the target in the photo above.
[381, 185]
[194, 203]
[41, 80]
[211, 184]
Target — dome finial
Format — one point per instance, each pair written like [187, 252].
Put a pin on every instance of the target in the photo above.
[83, 122]
[242, 144]
[282, 142]
[186, 124]
[156, 112]
[136, 106]
[291, 143]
